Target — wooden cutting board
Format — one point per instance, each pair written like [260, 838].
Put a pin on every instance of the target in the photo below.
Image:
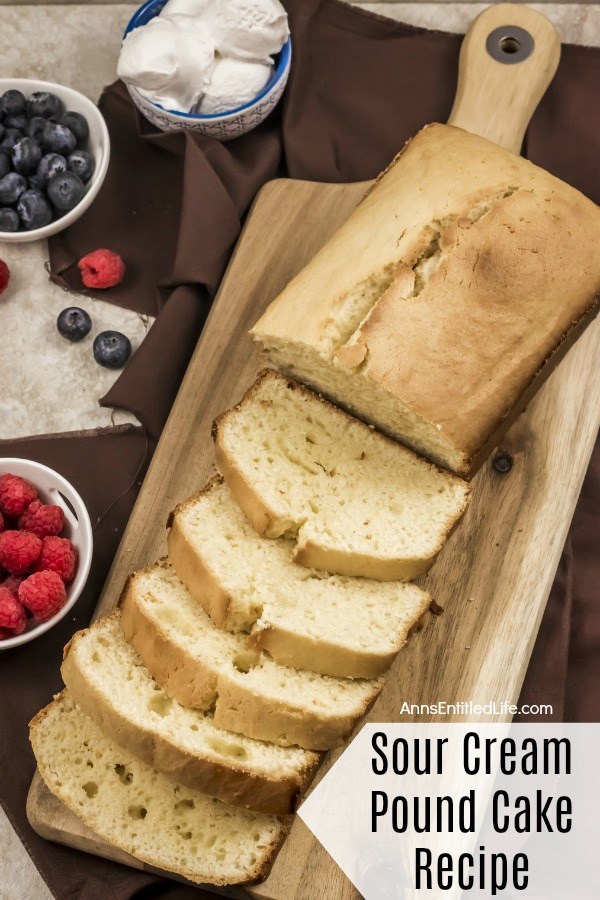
[494, 575]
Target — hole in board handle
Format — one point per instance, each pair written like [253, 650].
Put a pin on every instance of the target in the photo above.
[509, 44]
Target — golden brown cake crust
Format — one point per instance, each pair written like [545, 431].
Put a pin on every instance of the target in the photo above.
[495, 274]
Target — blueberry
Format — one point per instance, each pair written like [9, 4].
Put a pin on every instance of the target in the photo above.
[82, 163]
[26, 155]
[74, 323]
[11, 188]
[112, 349]
[19, 122]
[34, 210]
[34, 183]
[76, 123]
[65, 190]
[4, 163]
[50, 165]
[35, 126]
[9, 219]
[10, 138]
[58, 139]
[13, 103]
[1, 128]
[43, 104]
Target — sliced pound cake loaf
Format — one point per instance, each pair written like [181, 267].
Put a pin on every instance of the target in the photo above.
[331, 624]
[359, 503]
[249, 693]
[132, 806]
[106, 678]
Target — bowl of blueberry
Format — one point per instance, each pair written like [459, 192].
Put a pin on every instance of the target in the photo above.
[54, 152]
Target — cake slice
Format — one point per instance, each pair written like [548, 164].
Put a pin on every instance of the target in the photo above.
[106, 678]
[357, 502]
[132, 806]
[331, 624]
[205, 668]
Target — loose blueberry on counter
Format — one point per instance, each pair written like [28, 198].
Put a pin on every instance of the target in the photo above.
[26, 155]
[74, 323]
[10, 137]
[4, 163]
[11, 188]
[9, 219]
[50, 165]
[44, 104]
[112, 349]
[12, 103]
[34, 210]
[58, 139]
[65, 190]
[82, 163]
[35, 126]
[76, 123]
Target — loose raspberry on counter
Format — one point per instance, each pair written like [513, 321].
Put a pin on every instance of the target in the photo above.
[15, 494]
[44, 594]
[12, 615]
[18, 551]
[4, 276]
[42, 519]
[101, 269]
[58, 555]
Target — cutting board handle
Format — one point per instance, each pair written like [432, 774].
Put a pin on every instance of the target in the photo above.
[507, 60]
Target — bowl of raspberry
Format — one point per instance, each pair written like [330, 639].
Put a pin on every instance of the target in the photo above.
[45, 549]
[54, 153]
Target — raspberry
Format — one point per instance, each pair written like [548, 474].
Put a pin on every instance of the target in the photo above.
[42, 519]
[15, 494]
[58, 555]
[4, 276]
[1, 523]
[18, 551]
[101, 269]
[44, 594]
[11, 583]
[12, 614]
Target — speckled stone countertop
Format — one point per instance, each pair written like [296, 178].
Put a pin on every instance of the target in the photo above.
[55, 386]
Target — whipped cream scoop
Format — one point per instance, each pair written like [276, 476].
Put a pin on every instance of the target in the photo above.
[209, 56]
[184, 8]
[233, 83]
[253, 30]
[169, 59]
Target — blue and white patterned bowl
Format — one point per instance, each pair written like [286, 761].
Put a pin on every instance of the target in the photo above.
[222, 126]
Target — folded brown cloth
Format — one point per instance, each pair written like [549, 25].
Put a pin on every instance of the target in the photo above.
[173, 206]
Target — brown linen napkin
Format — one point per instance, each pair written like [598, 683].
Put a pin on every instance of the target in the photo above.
[173, 206]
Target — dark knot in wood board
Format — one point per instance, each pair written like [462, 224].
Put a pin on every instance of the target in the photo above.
[502, 462]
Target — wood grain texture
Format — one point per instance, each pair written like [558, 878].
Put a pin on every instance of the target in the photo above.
[497, 99]
[492, 578]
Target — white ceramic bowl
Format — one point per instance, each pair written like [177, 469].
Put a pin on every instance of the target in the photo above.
[222, 126]
[98, 146]
[53, 488]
